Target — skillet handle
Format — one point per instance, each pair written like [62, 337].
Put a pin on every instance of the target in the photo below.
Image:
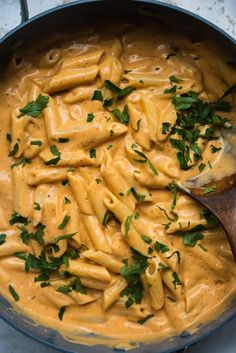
[24, 12]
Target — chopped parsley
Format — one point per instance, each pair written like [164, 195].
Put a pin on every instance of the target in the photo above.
[120, 93]
[13, 293]
[62, 237]
[35, 108]
[146, 160]
[201, 167]
[36, 143]
[64, 222]
[137, 195]
[56, 153]
[63, 140]
[132, 273]
[176, 281]
[173, 189]
[14, 151]
[61, 312]
[192, 113]
[146, 318]
[66, 200]
[98, 181]
[138, 125]
[108, 214]
[97, 96]
[146, 239]
[17, 218]
[209, 189]
[161, 247]
[123, 117]
[215, 149]
[2, 238]
[107, 102]
[191, 237]
[9, 137]
[22, 162]
[127, 224]
[90, 117]
[174, 79]
[92, 153]
[170, 90]
[210, 218]
[165, 128]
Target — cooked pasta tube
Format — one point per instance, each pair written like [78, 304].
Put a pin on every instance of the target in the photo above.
[70, 78]
[86, 270]
[150, 112]
[139, 124]
[67, 158]
[155, 287]
[93, 283]
[23, 194]
[103, 259]
[95, 193]
[112, 293]
[79, 189]
[50, 58]
[110, 68]
[82, 92]
[115, 182]
[83, 60]
[18, 126]
[96, 233]
[35, 174]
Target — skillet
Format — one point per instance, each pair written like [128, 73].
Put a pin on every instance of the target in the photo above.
[78, 13]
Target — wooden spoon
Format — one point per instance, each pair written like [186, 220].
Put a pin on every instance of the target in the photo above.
[221, 202]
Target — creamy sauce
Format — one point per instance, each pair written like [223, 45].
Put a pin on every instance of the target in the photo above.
[98, 165]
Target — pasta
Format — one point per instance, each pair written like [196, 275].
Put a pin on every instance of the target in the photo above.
[92, 225]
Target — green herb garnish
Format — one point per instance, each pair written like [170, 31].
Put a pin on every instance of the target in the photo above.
[64, 222]
[56, 153]
[2, 238]
[13, 293]
[35, 108]
[97, 96]
[90, 117]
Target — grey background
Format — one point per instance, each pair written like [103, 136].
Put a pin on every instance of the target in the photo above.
[223, 14]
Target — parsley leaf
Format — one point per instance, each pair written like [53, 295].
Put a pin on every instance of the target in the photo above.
[176, 281]
[209, 189]
[161, 247]
[122, 117]
[13, 293]
[17, 218]
[201, 167]
[64, 222]
[23, 161]
[61, 312]
[62, 237]
[92, 153]
[14, 151]
[2, 238]
[36, 143]
[138, 196]
[174, 79]
[165, 128]
[97, 96]
[127, 224]
[35, 108]
[90, 117]
[63, 140]
[146, 160]
[143, 320]
[173, 189]
[56, 153]
[215, 149]
[146, 239]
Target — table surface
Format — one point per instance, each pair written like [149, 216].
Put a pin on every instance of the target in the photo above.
[223, 14]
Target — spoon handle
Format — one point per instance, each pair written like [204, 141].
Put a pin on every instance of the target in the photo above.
[223, 206]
